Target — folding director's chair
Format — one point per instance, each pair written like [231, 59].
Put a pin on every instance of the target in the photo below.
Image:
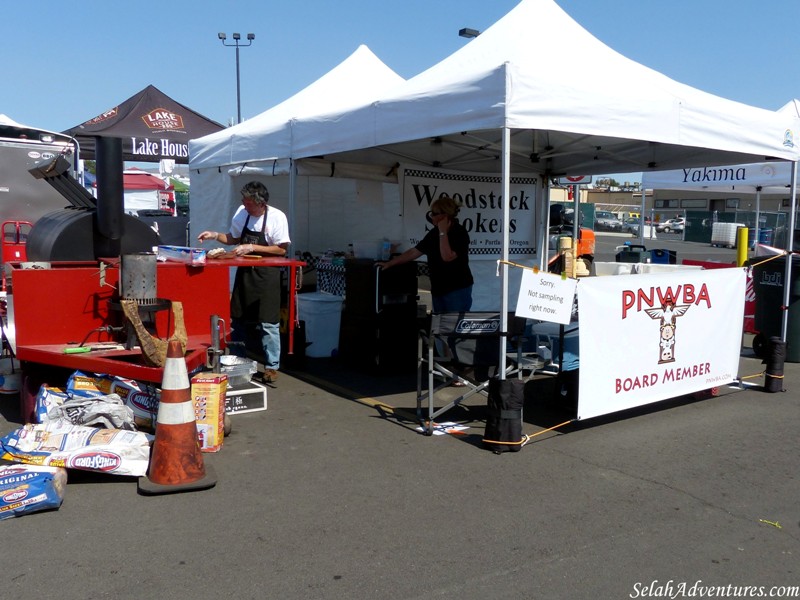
[460, 347]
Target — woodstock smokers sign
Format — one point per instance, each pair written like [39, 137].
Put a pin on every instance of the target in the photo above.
[159, 121]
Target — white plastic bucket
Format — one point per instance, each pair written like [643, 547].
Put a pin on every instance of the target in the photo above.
[322, 314]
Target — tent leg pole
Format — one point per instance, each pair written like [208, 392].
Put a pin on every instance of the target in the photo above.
[504, 264]
[787, 285]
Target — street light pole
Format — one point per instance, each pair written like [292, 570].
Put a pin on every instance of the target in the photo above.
[236, 43]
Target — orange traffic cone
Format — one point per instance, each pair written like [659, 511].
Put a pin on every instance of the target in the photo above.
[176, 463]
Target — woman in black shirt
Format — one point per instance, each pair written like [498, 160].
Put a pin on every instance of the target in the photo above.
[447, 249]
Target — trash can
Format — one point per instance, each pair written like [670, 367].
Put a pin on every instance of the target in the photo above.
[768, 285]
[633, 253]
[322, 314]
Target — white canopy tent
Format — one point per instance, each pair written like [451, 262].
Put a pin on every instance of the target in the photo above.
[268, 136]
[261, 146]
[517, 99]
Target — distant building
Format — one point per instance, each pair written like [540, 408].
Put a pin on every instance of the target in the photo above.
[681, 201]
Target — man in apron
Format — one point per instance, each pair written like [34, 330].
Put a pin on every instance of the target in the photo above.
[257, 230]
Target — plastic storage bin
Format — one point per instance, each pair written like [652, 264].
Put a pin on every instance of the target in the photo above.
[322, 314]
[724, 234]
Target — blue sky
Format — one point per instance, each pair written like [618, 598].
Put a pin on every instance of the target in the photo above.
[64, 63]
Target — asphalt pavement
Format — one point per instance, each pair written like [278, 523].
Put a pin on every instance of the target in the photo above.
[607, 243]
[332, 493]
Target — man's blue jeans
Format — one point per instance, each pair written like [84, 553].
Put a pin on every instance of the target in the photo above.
[270, 341]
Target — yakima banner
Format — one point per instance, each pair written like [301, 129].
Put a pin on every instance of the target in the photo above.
[771, 177]
[645, 338]
[481, 209]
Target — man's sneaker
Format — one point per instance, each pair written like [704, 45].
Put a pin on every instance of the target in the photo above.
[269, 376]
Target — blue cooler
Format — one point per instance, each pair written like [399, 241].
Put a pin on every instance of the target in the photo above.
[663, 257]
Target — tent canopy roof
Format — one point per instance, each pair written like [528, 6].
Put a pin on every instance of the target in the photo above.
[361, 77]
[768, 177]
[528, 72]
[136, 179]
[162, 127]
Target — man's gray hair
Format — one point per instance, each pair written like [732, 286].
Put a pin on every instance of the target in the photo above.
[257, 191]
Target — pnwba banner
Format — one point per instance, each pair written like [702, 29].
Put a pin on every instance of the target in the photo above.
[645, 338]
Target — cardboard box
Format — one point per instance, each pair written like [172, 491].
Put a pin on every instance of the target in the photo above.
[245, 398]
[208, 396]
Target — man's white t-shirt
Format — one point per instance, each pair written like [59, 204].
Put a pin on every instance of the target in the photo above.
[276, 232]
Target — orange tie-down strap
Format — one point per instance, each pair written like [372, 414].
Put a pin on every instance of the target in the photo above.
[526, 438]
